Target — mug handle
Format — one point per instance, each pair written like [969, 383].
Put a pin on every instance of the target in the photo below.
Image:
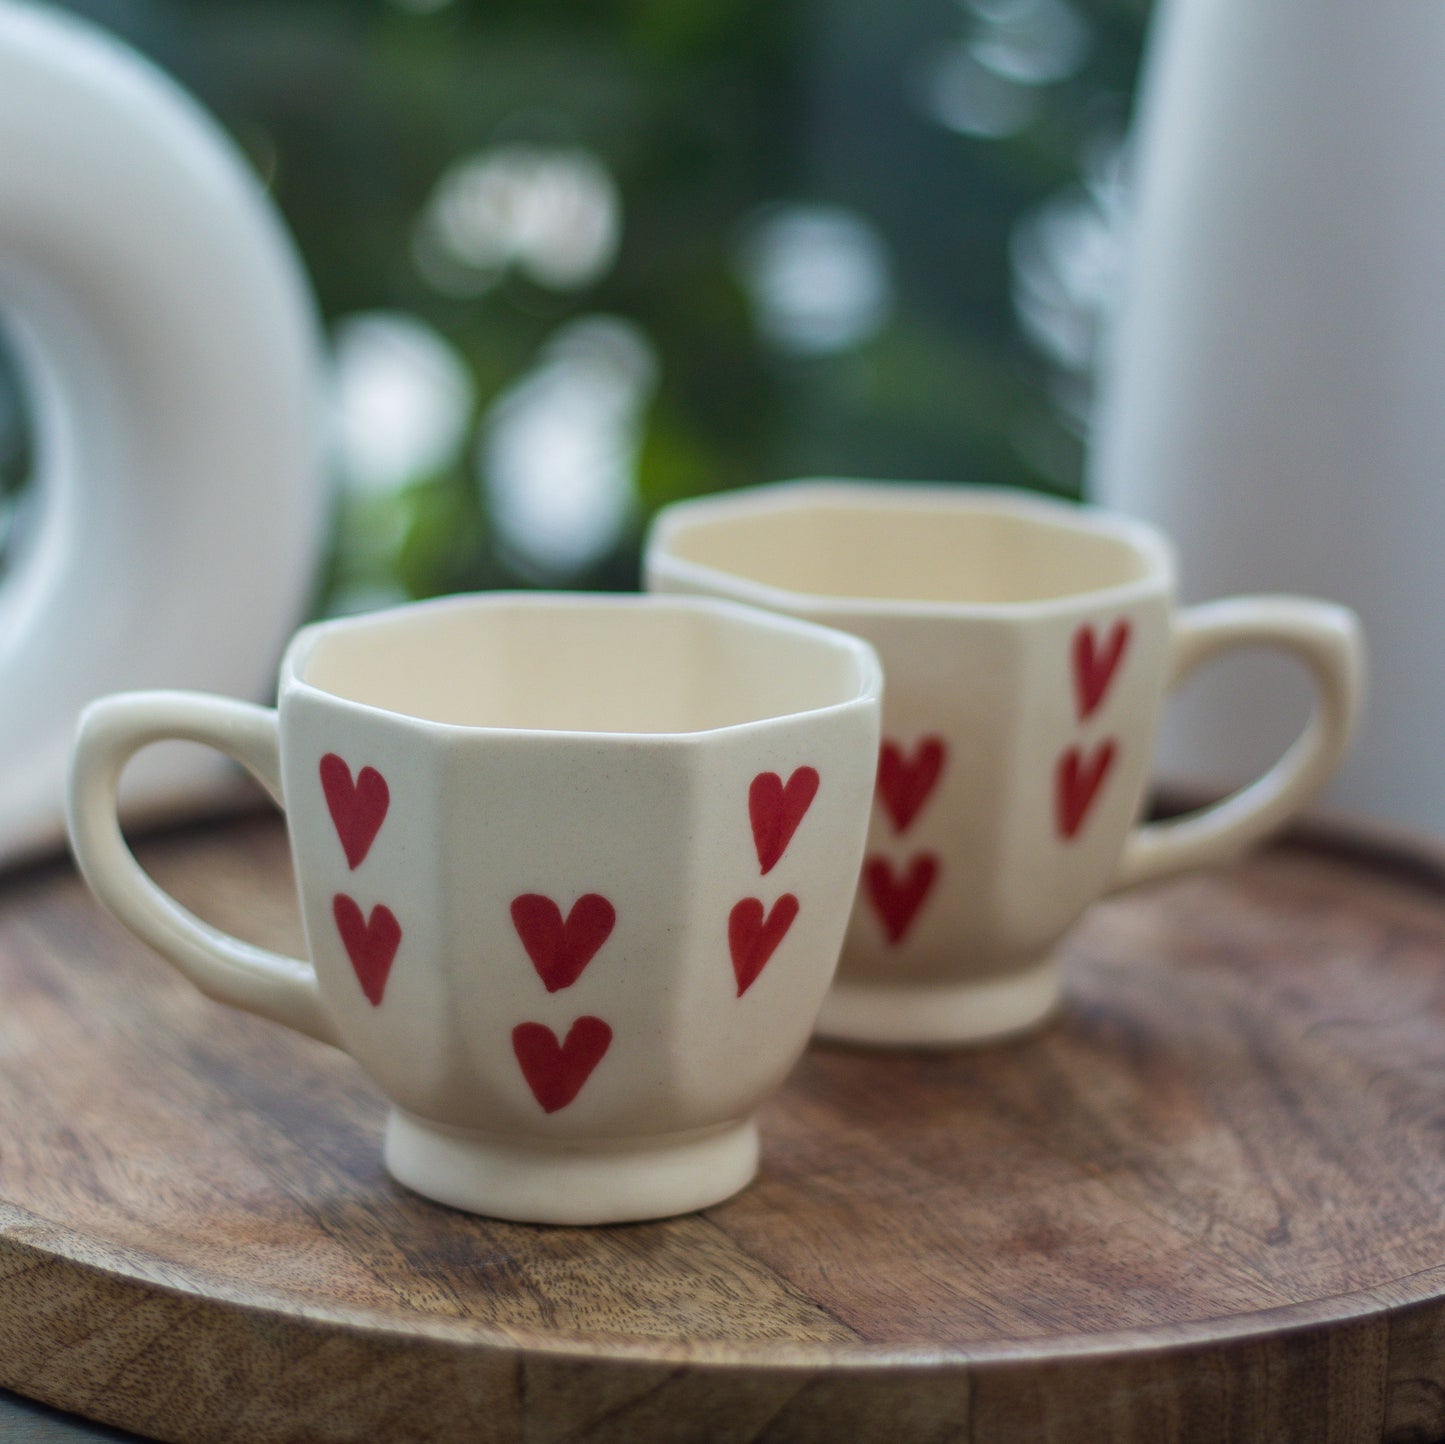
[1328, 640]
[223, 967]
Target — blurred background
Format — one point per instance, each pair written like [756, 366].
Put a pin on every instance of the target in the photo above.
[580, 258]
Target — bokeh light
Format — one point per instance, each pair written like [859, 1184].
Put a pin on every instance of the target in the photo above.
[552, 213]
[1069, 257]
[1032, 42]
[403, 397]
[818, 278]
[557, 456]
[964, 95]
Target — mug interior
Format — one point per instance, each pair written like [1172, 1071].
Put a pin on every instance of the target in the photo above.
[909, 547]
[641, 665]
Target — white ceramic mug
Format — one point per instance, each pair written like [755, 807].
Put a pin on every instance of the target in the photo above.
[574, 874]
[1027, 646]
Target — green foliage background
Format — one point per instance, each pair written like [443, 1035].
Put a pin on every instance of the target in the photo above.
[703, 111]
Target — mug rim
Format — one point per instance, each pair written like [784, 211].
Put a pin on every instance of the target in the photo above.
[868, 669]
[1147, 542]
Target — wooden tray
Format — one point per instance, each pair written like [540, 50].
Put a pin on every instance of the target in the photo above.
[1205, 1205]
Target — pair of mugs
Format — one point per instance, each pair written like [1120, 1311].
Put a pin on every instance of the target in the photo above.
[575, 872]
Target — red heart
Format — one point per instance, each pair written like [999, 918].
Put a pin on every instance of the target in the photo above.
[776, 811]
[752, 940]
[903, 785]
[897, 900]
[371, 946]
[555, 1072]
[357, 811]
[560, 951]
[1094, 669]
[1076, 783]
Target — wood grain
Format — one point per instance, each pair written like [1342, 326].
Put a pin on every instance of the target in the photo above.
[1206, 1204]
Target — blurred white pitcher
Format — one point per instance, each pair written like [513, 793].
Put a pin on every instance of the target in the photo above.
[1276, 398]
[170, 361]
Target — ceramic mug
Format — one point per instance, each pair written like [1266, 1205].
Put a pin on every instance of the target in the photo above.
[1027, 646]
[574, 874]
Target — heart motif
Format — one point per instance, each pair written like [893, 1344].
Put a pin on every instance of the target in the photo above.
[904, 783]
[775, 811]
[753, 939]
[560, 951]
[1077, 783]
[1094, 666]
[356, 810]
[555, 1072]
[897, 901]
[371, 946]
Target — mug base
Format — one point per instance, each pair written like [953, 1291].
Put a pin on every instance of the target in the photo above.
[892, 1015]
[584, 1183]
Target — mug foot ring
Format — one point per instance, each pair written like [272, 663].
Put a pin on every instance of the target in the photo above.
[894, 1015]
[584, 1183]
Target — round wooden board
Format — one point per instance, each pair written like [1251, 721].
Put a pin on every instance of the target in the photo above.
[1205, 1204]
